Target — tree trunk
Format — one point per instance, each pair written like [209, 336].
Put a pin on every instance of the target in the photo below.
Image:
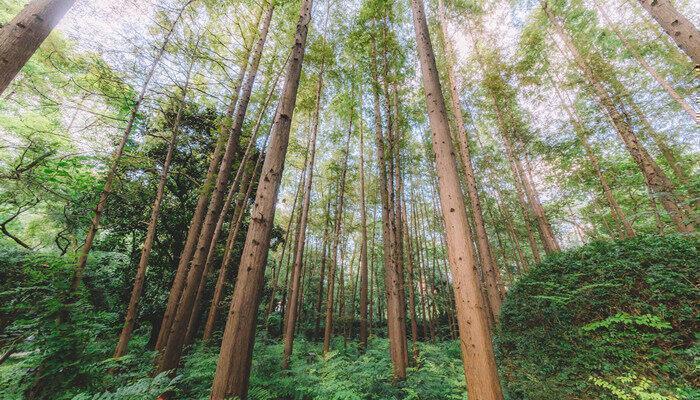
[677, 26]
[656, 179]
[477, 349]
[233, 368]
[363, 240]
[174, 346]
[395, 322]
[22, 36]
[241, 205]
[682, 103]
[195, 226]
[280, 261]
[328, 327]
[411, 285]
[130, 318]
[494, 287]
[116, 157]
[322, 268]
[292, 304]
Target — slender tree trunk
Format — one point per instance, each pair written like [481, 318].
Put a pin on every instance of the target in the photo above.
[411, 285]
[280, 261]
[363, 239]
[294, 297]
[676, 25]
[174, 346]
[682, 103]
[395, 322]
[195, 226]
[372, 276]
[233, 368]
[322, 267]
[545, 227]
[488, 264]
[328, 327]
[656, 179]
[130, 318]
[241, 205]
[419, 265]
[477, 349]
[237, 222]
[22, 36]
[116, 157]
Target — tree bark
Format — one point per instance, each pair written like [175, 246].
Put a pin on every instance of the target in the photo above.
[292, 304]
[233, 368]
[195, 226]
[322, 268]
[494, 287]
[21, 37]
[656, 179]
[477, 349]
[395, 322]
[677, 26]
[241, 205]
[363, 240]
[682, 103]
[130, 318]
[175, 344]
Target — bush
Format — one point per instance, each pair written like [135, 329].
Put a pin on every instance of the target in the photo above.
[609, 320]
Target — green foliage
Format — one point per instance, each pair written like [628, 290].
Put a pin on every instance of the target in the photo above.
[583, 318]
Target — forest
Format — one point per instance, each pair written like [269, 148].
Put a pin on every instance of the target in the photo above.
[349, 199]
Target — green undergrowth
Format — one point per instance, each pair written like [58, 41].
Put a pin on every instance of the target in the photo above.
[609, 320]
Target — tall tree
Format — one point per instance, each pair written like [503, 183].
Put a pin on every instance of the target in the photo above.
[22, 36]
[478, 357]
[292, 304]
[173, 349]
[655, 178]
[490, 270]
[233, 368]
[130, 317]
[112, 173]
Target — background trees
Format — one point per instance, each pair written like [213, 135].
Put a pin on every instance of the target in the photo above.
[393, 191]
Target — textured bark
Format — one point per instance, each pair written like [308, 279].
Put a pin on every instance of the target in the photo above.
[475, 336]
[233, 368]
[395, 323]
[111, 174]
[130, 317]
[656, 179]
[22, 36]
[173, 349]
[363, 241]
[241, 205]
[676, 25]
[492, 274]
[292, 304]
[682, 103]
[328, 327]
[195, 226]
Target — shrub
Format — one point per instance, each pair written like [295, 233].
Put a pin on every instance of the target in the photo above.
[575, 324]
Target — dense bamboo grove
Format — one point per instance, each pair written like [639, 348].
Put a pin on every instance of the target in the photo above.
[197, 195]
